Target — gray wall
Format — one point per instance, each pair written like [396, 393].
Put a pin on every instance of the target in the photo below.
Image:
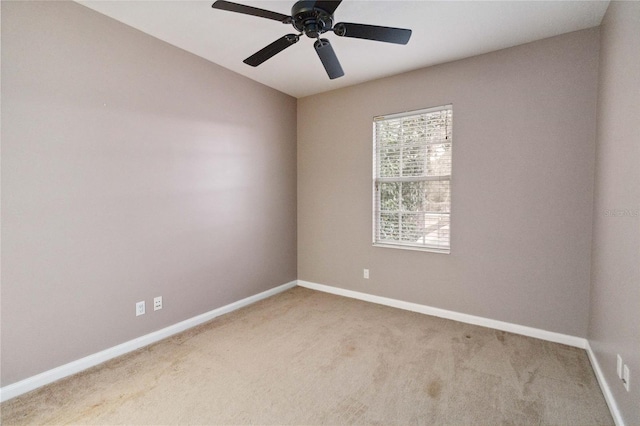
[130, 169]
[614, 326]
[524, 143]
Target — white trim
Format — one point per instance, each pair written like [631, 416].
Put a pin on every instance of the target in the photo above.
[432, 249]
[604, 386]
[447, 107]
[414, 179]
[34, 382]
[550, 336]
[440, 241]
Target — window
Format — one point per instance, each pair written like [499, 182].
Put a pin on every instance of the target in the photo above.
[412, 179]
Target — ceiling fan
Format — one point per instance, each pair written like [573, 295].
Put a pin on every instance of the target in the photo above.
[313, 18]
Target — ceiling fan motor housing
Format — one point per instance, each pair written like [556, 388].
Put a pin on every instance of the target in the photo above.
[309, 19]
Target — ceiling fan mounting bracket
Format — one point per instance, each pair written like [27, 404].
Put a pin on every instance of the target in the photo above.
[310, 19]
[340, 30]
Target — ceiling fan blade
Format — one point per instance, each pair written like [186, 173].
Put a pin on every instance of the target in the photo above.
[328, 58]
[249, 10]
[328, 6]
[271, 50]
[372, 32]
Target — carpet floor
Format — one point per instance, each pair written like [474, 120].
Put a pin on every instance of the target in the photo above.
[305, 357]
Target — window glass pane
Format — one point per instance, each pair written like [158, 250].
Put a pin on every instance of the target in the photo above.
[389, 227]
[390, 196]
[436, 230]
[438, 126]
[389, 161]
[424, 229]
[429, 196]
[414, 129]
[412, 178]
[438, 160]
[411, 228]
[414, 160]
[413, 196]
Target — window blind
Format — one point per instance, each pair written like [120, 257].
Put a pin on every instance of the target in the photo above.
[412, 176]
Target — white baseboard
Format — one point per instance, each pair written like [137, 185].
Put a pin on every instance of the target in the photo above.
[604, 386]
[34, 382]
[551, 336]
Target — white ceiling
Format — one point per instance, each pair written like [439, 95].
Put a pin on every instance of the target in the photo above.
[443, 31]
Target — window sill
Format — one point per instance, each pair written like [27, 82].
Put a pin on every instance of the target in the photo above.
[415, 248]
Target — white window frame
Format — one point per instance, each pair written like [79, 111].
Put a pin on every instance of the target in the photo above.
[439, 247]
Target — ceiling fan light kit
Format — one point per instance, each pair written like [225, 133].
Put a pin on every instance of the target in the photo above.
[313, 18]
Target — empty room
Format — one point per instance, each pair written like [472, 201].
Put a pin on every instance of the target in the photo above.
[320, 212]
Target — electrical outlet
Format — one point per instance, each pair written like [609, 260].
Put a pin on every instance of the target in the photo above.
[625, 377]
[140, 308]
[157, 303]
[365, 274]
[619, 366]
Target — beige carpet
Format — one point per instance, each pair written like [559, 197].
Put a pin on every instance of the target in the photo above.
[304, 357]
